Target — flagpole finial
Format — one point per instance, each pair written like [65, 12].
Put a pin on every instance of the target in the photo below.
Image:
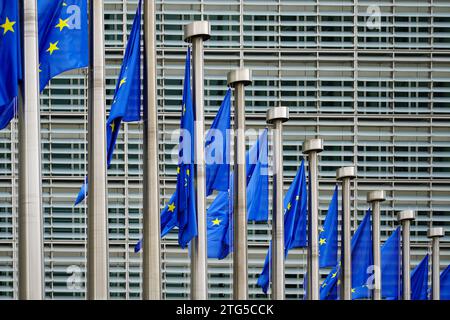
[406, 215]
[346, 172]
[313, 145]
[243, 75]
[435, 232]
[197, 29]
[377, 195]
[277, 114]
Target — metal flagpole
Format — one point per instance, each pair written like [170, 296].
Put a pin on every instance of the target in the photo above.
[197, 32]
[152, 225]
[375, 197]
[405, 217]
[345, 174]
[434, 234]
[312, 148]
[97, 246]
[30, 205]
[239, 79]
[277, 116]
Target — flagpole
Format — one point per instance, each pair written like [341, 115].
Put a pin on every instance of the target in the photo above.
[196, 33]
[375, 197]
[434, 234]
[345, 174]
[405, 217]
[312, 148]
[30, 203]
[276, 117]
[97, 240]
[239, 79]
[152, 225]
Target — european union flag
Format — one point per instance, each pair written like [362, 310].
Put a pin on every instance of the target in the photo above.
[445, 284]
[295, 208]
[219, 231]
[11, 60]
[362, 259]
[258, 180]
[328, 237]
[419, 280]
[215, 175]
[185, 200]
[168, 220]
[391, 267]
[217, 149]
[126, 104]
[63, 37]
[328, 289]
[219, 227]
[296, 211]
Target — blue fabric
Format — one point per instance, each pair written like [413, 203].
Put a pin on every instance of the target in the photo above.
[328, 237]
[295, 206]
[63, 37]
[217, 149]
[362, 260]
[127, 98]
[445, 284]
[220, 234]
[391, 267]
[11, 60]
[419, 280]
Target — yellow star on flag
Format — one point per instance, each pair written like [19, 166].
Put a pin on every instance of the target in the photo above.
[8, 26]
[53, 47]
[113, 126]
[178, 170]
[322, 241]
[289, 206]
[216, 222]
[188, 172]
[334, 275]
[62, 24]
[324, 285]
[172, 207]
[122, 82]
[353, 290]
[297, 198]
[321, 229]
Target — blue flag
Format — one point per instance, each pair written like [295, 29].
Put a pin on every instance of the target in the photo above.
[11, 60]
[419, 280]
[126, 104]
[328, 289]
[258, 180]
[391, 267]
[219, 225]
[63, 37]
[328, 237]
[445, 284]
[215, 172]
[185, 199]
[296, 211]
[295, 216]
[362, 260]
[168, 220]
[217, 149]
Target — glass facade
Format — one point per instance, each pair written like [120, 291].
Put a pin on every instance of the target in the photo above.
[371, 78]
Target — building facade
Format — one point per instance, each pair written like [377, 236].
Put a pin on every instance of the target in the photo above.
[372, 78]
